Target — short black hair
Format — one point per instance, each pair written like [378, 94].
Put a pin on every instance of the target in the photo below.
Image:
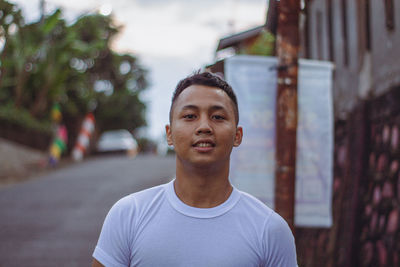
[206, 79]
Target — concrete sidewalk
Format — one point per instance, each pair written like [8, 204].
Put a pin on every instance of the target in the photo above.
[18, 163]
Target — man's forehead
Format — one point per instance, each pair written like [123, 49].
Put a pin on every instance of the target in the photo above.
[203, 91]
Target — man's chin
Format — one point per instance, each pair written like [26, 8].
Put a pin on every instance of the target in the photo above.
[206, 163]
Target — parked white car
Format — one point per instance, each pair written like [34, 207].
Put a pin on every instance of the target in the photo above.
[117, 141]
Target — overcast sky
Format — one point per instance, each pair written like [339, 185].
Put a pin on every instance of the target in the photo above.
[171, 38]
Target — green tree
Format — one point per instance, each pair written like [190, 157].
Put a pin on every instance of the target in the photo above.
[264, 45]
[10, 22]
[50, 61]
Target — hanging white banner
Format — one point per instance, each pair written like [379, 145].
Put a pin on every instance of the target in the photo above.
[253, 163]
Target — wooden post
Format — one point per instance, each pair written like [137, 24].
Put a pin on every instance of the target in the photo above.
[286, 107]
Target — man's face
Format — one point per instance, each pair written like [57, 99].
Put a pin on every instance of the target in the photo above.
[203, 127]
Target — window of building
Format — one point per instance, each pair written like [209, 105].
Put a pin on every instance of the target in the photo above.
[320, 47]
[307, 31]
[345, 33]
[367, 25]
[389, 13]
[330, 31]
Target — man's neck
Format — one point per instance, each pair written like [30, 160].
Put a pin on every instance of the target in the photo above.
[202, 187]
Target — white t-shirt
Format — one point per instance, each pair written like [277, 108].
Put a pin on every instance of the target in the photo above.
[155, 228]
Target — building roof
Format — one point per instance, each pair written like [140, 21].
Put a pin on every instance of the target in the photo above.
[270, 25]
[235, 39]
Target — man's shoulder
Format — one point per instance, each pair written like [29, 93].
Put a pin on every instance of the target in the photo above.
[140, 199]
[259, 212]
[273, 226]
[149, 193]
[254, 204]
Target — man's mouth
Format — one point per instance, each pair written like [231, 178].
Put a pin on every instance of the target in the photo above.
[203, 145]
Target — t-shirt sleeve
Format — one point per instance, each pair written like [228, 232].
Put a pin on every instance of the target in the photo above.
[113, 246]
[279, 245]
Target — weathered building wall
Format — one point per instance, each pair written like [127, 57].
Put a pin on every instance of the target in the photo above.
[334, 34]
[366, 90]
[355, 36]
[318, 26]
[385, 47]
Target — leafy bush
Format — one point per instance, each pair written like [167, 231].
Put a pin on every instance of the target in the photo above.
[23, 118]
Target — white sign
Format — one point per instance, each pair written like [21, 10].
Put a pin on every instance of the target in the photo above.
[253, 163]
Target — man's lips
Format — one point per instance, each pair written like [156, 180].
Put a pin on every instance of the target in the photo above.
[204, 144]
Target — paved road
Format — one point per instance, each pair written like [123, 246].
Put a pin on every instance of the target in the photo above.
[55, 220]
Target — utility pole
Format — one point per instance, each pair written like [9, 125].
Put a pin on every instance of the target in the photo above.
[287, 46]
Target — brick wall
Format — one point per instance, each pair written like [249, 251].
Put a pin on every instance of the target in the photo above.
[379, 237]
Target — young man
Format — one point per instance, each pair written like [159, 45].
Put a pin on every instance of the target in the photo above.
[198, 219]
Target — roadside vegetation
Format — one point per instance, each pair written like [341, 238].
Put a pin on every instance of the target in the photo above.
[50, 62]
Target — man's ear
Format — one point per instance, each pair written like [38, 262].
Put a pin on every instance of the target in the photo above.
[238, 136]
[169, 136]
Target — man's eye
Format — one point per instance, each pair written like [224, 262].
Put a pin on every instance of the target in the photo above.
[189, 116]
[218, 117]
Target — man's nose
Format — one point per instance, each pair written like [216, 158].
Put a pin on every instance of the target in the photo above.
[204, 126]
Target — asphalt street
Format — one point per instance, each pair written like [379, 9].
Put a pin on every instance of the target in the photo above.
[55, 220]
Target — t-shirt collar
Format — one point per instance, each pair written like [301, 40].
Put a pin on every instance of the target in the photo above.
[187, 210]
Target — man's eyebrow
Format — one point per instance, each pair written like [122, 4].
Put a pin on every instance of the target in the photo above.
[190, 107]
[217, 107]
[213, 108]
